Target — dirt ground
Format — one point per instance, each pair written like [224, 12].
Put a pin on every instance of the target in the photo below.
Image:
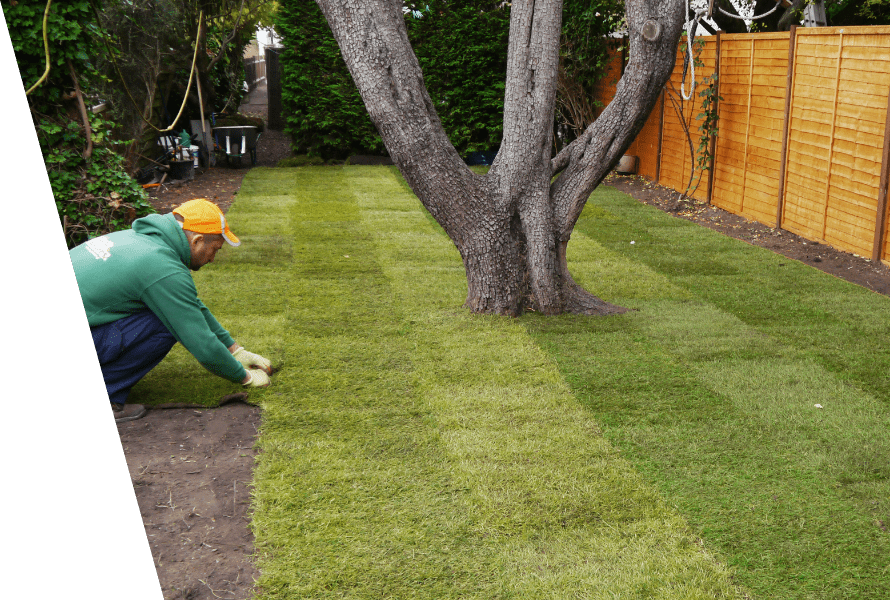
[192, 469]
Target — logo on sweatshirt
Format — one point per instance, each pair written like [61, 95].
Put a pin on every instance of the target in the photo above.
[99, 247]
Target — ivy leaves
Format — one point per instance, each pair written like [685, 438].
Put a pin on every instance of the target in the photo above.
[96, 195]
[708, 118]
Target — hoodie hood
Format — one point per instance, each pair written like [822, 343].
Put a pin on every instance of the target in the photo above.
[165, 229]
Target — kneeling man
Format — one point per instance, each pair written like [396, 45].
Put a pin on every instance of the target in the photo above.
[140, 300]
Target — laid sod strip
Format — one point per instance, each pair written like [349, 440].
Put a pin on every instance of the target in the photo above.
[350, 499]
[572, 518]
[721, 411]
[416, 451]
[844, 326]
[752, 454]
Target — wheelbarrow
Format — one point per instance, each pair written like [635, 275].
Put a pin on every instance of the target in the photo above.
[234, 142]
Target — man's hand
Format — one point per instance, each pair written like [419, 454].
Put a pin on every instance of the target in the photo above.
[256, 378]
[249, 360]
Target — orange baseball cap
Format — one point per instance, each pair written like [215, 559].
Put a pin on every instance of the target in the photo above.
[203, 216]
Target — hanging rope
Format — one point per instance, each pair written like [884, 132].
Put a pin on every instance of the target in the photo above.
[185, 97]
[688, 58]
[46, 50]
[124, 83]
[755, 17]
[692, 27]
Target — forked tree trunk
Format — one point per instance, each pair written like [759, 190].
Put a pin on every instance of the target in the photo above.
[511, 225]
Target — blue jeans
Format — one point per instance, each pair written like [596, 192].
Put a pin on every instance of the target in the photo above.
[128, 349]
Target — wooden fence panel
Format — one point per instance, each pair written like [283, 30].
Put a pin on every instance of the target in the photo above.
[836, 138]
[645, 146]
[833, 181]
[677, 159]
[747, 164]
[604, 90]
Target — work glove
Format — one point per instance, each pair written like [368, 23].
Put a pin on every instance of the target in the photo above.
[258, 378]
[249, 360]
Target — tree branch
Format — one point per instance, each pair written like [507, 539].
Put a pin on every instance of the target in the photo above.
[654, 28]
[222, 47]
[561, 160]
[83, 113]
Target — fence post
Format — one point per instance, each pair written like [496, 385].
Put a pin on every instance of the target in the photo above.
[712, 145]
[792, 36]
[660, 137]
[881, 215]
[275, 120]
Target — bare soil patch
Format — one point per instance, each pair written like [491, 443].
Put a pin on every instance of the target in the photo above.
[220, 184]
[191, 471]
[191, 468]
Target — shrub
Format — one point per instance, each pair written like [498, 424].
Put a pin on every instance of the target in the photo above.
[303, 160]
[93, 196]
[461, 46]
[462, 49]
[324, 113]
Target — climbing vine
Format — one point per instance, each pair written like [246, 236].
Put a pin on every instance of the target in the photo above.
[707, 129]
[708, 117]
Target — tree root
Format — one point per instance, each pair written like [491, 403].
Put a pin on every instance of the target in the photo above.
[579, 301]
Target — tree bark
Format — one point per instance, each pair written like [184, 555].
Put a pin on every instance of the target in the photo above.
[512, 225]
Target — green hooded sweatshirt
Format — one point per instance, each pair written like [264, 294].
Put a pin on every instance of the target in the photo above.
[125, 272]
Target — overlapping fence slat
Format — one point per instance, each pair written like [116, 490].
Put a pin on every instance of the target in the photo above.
[748, 154]
[839, 103]
[645, 145]
[804, 122]
[885, 246]
[677, 159]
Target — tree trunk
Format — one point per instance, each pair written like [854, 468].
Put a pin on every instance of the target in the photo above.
[511, 225]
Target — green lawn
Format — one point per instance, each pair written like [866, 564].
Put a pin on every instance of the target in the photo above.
[412, 450]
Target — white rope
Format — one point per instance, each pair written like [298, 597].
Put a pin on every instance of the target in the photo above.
[755, 17]
[692, 25]
[690, 34]
[692, 67]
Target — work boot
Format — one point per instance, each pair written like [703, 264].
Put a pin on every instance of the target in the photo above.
[127, 412]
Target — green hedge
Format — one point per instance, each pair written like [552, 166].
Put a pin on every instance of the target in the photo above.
[323, 111]
[461, 46]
